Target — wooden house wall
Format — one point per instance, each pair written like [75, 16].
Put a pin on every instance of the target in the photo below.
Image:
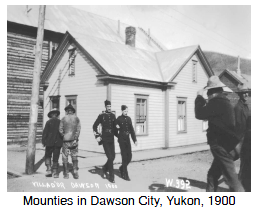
[90, 92]
[125, 95]
[187, 89]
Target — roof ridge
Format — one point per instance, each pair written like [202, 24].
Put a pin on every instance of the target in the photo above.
[156, 43]
[92, 36]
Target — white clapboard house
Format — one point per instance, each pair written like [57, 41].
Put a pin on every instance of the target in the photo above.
[159, 87]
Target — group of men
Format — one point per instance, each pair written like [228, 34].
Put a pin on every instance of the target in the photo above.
[65, 134]
[61, 134]
[122, 128]
[228, 135]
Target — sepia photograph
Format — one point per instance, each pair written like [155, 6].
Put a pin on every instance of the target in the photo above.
[129, 98]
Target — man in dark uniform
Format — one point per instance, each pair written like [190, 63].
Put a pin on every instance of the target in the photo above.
[221, 134]
[52, 139]
[108, 123]
[124, 124]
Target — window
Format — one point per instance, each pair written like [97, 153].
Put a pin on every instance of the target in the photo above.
[54, 102]
[181, 115]
[52, 48]
[141, 114]
[71, 62]
[204, 125]
[72, 99]
[194, 71]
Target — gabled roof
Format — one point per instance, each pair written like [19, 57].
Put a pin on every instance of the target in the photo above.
[172, 61]
[66, 18]
[243, 79]
[120, 60]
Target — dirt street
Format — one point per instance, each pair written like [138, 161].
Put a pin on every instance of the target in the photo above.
[184, 173]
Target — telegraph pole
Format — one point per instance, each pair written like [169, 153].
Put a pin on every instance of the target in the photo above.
[30, 159]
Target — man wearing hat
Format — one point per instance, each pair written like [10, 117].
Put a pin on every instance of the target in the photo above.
[53, 142]
[108, 122]
[124, 124]
[69, 128]
[221, 134]
[242, 113]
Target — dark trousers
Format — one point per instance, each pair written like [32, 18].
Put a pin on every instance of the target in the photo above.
[109, 150]
[223, 163]
[245, 164]
[55, 150]
[126, 154]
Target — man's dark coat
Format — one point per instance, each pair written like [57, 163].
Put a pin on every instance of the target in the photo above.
[221, 120]
[126, 128]
[51, 135]
[107, 120]
[242, 112]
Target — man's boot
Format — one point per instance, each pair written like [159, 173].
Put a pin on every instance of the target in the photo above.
[125, 175]
[75, 169]
[212, 184]
[121, 171]
[66, 175]
[111, 178]
[48, 165]
[104, 169]
[55, 170]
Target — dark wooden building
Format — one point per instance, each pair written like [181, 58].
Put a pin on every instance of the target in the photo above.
[21, 40]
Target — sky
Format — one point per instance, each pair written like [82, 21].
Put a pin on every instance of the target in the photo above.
[217, 28]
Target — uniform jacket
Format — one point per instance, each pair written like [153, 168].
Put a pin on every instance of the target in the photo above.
[51, 135]
[242, 112]
[221, 120]
[70, 127]
[126, 129]
[108, 123]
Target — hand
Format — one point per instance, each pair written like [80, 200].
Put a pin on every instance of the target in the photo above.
[117, 126]
[136, 143]
[200, 92]
[99, 139]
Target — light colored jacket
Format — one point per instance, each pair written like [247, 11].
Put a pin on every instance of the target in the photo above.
[70, 127]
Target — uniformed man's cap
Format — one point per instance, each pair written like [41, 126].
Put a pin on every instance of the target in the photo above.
[107, 102]
[123, 107]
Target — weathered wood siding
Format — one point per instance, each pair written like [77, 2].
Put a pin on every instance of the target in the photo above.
[186, 88]
[91, 95]
[20, 64]
[125, 95]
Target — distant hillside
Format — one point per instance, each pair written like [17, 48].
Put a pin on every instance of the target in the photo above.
[219, 62]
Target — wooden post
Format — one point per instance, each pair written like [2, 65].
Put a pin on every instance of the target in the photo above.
[30, 158]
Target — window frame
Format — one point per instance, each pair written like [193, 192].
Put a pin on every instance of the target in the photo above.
[185, 123]
[72, 97]
[70, 65]
[53, 98]
[146, 97]
[194, 64]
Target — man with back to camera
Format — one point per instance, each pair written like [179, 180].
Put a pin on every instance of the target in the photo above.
[108, 122]
[221, 134]
[124, 124]
[53, 142]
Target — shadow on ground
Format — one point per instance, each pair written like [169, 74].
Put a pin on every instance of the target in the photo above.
[201, 185]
